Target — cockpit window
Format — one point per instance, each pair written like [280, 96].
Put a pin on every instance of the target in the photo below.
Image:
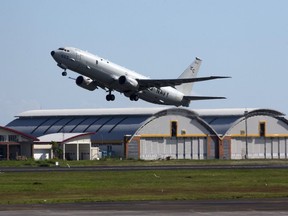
[65, 50]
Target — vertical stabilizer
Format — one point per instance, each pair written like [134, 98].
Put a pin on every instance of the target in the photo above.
[190, 72]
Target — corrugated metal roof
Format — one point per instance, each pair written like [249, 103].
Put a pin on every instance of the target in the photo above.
[89, 112]
[107, 124]
[224, 112]
[113, 124]
[127, 111]
[221, 120]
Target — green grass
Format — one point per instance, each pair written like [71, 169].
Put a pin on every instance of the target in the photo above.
[117, 162]
[61, 187]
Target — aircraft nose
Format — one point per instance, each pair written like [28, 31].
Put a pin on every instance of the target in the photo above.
[52, 53]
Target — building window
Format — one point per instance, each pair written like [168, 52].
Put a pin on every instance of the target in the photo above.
[262, 129]
[13, 138]
[109, 148]
[174, 129]
[2, 138]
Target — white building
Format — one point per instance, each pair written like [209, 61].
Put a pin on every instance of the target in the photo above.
[74, 146]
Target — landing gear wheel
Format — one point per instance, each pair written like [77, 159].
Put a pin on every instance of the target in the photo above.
[64, 73]
[110, 97]
[134, 97]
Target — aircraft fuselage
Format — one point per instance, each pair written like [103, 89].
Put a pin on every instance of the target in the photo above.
[106, 75]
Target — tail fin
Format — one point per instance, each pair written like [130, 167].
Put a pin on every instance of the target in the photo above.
[190, 72]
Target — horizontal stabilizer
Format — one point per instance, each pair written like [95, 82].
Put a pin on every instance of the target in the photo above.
[190, 98]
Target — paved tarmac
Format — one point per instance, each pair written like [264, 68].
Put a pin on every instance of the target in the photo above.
[146, 208]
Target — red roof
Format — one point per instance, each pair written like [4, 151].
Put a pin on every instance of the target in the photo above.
[20, 133]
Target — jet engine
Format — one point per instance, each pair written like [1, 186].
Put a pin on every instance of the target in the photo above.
[86, 83]
[128, 83]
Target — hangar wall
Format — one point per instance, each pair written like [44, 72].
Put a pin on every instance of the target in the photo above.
[173, 134]
[266, 138]
[260, 148]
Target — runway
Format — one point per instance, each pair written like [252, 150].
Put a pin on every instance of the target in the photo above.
[209, 208]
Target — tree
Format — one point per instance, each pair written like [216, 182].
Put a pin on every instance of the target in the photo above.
[57, 151]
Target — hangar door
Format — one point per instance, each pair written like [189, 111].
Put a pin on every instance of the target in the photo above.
[153, 148]
[225, 148]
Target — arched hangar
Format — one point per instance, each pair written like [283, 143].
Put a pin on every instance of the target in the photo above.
[257, 134]
[174, 133]
[160, 133]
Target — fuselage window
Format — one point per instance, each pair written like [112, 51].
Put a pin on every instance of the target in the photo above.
[96, 62]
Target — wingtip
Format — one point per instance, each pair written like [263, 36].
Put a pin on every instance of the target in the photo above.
[223, 77]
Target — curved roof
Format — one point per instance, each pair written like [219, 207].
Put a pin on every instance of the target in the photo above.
[89, 112]
[107, 124]
[112, 124]
[60, 137]
[223, 120]
[179, 111]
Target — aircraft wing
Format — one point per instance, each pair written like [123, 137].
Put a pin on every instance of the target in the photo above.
[147, 83]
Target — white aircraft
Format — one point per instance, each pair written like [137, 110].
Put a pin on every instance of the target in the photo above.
[98, 72]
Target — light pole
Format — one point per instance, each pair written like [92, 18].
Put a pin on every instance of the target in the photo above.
[246, 133]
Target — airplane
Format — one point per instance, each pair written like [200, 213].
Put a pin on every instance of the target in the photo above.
[96, 72]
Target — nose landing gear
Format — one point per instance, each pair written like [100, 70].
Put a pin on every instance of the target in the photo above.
[64, 73]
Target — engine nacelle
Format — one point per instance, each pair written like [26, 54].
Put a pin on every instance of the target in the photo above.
[128, 83]
[86, 83]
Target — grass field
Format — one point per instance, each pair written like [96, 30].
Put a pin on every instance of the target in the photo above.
[117, 162]
[61, 187]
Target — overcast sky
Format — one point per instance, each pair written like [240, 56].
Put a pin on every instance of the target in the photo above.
[245, 39]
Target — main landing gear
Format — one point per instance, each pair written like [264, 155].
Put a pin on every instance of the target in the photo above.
[110, 97]
[134, 97]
